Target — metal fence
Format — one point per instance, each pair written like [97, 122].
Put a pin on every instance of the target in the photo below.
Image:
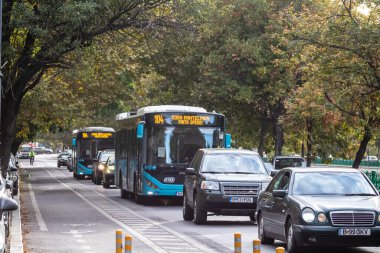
[342, 162]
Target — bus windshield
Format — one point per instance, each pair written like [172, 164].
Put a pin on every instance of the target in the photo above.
[176, 145]
[88, 148]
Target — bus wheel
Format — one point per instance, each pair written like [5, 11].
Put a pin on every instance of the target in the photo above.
[105, 184]
[138, 199]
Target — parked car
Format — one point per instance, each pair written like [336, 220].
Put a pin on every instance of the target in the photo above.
[280, 162]
[328, 207]
[109, 172]
[6, 205]
[63, 159]
[370, 158]
[12, 174]
[99, 165]
[223, 182]
[40, 150]
[49, 151]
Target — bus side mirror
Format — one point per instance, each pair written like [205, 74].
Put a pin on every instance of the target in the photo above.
[227, 140]
[140, 130]
[74, 142]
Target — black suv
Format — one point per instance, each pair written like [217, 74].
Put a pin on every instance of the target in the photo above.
[223, 182]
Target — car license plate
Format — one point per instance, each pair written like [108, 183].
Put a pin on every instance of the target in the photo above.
[179, 194]
[241, 200]
[354, 231]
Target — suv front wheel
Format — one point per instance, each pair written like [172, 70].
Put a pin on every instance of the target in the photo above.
[188, 213]
[200, 215]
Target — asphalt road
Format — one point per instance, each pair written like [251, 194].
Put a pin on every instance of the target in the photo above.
[62, 214]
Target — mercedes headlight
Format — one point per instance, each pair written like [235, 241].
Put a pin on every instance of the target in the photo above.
[378, 217]
[322, 217]
[308, 215]
[210, 185]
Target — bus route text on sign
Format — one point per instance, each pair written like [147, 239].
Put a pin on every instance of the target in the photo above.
[96, 135]
[184, 119]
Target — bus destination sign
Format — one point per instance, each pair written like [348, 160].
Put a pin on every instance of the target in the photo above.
[97, 135]
[184, 119]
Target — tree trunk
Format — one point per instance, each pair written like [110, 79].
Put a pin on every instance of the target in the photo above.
[309, 144]
[9, 112]
[262, 137]
[16, 144]
[363, 147]
[278, 137]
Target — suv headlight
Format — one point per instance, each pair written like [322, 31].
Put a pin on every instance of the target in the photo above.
[378, 217]
[264, 185]
[101, 167]
[210, 185]
[308, 215]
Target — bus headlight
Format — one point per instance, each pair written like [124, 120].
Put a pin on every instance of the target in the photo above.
[210, 185]
[150, 184]
[308, 215]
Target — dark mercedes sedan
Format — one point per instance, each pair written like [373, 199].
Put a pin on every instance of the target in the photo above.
[319, 207]
[223, 182]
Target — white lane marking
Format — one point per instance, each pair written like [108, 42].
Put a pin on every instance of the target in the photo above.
[80, 240]
[77, 236]
[191, 241]
[85, 247]
[150, 243]
[40, 220]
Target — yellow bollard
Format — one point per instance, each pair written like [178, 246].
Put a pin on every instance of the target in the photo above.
[119, 241]
[237, 242]
[128, 244]
[280, 250]
[256, 246]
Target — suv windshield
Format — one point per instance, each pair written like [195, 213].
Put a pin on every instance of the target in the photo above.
[25, 149]
[233, 163]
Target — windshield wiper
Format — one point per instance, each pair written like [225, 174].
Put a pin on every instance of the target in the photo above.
[360, 194]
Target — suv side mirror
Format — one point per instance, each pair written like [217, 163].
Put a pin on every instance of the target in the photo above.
[14, 168]
[190, 171]
[273, 173]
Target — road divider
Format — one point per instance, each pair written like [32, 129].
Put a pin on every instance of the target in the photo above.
[256, 246]
[128, 244]
[119, 241]
[237, 242]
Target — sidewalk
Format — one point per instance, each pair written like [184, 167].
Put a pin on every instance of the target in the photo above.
[15, 233]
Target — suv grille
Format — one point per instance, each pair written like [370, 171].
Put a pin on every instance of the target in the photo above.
[352, 218]
[241, 190]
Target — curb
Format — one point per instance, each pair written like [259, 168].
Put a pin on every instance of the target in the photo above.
[15, 233]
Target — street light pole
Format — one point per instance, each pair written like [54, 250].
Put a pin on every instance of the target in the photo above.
[1, 74]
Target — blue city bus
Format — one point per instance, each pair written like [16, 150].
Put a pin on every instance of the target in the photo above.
[156, 144]
[86, 144]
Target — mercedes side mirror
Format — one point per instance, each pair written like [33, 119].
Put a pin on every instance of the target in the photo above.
[279, 193]
[190, 171]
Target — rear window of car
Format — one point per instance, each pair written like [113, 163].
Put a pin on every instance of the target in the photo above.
[289, 162]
